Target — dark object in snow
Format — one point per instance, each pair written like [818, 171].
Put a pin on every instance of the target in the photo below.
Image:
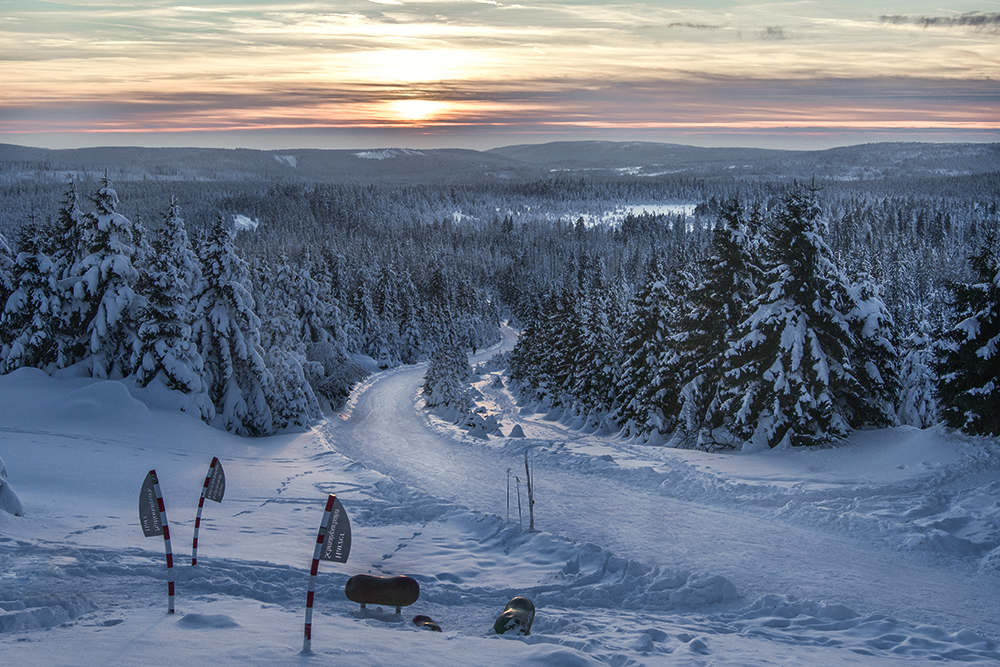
[365, 589]
[516, 617]
[426, 622]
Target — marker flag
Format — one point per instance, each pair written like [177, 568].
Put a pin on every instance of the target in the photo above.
[333, 542]
[149, 510]
[215, 486]
[213, 489]
[337, 542]
[153, 519]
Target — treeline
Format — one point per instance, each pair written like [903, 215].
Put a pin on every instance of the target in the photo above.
[257, 345]
[769, 339]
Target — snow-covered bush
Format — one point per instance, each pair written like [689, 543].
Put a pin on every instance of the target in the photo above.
[446, 384]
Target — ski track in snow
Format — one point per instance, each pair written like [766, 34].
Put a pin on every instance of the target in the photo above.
[642, 556]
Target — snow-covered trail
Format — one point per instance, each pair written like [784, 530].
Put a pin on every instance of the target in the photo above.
[630, 502]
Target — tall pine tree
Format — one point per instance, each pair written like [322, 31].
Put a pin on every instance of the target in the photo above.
[969, 365]
[644, 390]
[166, 345]
[731, 280]
[103, 298]
[790, 362]
[31, 313]
[228, 334]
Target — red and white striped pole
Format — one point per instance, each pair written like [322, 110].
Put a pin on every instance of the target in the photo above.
[320, 538]
[166, 542]
[201, 505]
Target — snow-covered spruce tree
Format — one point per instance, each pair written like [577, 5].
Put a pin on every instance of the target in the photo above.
[6, 271]
[598, 354]
[529, 358]
[875, 358]
[918, 380]
[65, 248]
[969, 363]
[228, 334]
[411, 338]
[643, 390]
[31, 312]
[368, 324]
[446, 384]
[293, 401]
[102, 282]
[790, 361]
[565, 328]
[165, 346]
[384, 300]
[731, 279]
[322, 330]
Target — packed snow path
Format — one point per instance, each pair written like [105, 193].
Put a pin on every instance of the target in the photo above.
[827, 541]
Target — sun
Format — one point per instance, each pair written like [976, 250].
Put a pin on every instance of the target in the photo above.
[416, 111]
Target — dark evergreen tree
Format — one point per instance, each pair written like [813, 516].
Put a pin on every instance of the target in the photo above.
[165, 346]
[228, 334]
[66, 249]
[31, 314]
[597, 357]
[446, 384]
[874, 357]
[103, 301]
[917, 401]
[643, 390]
[292, 400]
[790, 364]
[6, 271]
[731, 279]
[969, 363]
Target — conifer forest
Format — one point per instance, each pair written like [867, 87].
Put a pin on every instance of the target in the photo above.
[760, 299]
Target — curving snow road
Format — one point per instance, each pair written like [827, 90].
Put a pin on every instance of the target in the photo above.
[644, 503]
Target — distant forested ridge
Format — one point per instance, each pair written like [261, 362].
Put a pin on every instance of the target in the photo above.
[621, 278]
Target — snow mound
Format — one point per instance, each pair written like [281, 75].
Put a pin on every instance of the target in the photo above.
[39, 612]
[207, 621]
[101, 401]
[9, 502]
[817, 623]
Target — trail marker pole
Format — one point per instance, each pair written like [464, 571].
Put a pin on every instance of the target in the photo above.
[333, 542]
[508, 495]
[213, 489]
[153, 519]
[531, 494]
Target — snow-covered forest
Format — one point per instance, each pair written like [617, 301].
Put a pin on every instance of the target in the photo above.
[708, 311]
[653, 320]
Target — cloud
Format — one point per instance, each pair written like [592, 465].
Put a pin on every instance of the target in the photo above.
[685, 25]
[979, 20]
[772, 34]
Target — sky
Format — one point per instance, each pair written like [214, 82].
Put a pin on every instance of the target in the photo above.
[485, 73]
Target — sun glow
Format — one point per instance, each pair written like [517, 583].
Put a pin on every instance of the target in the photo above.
[416, 111]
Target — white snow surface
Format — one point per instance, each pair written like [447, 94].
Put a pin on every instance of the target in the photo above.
[387, 153]
[243, 223]
[882, 551]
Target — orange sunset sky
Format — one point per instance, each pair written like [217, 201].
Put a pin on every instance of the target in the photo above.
[485, 73]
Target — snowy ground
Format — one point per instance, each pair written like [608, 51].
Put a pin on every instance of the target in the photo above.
[883, 551]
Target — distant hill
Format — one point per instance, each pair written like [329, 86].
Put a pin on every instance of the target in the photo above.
[599, 159]
[862, 162]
